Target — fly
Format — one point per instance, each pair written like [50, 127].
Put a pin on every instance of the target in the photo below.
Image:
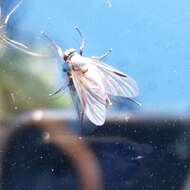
[92, 82]
[7, 40]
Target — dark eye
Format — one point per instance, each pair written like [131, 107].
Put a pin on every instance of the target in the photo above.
[65, 57]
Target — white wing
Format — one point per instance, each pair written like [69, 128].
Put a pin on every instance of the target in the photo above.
[91, 93]
[94, 81]
[115, 82]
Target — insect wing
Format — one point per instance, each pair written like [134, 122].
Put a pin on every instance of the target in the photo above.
[92, 94]
[115, 82]
[75, 100]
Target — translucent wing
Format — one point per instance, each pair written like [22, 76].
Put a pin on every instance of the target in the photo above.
[115, 82]
[92, 94]
[76, 103]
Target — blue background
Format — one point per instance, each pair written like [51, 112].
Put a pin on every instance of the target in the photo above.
[150, 41]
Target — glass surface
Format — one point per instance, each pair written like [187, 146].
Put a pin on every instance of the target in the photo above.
[140, 147]
[149, 40]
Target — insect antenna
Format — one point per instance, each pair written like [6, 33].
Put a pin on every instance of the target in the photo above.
[82, 40]
[55, 46]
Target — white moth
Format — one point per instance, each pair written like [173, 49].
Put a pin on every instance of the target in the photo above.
[92, 82]
[13, 43]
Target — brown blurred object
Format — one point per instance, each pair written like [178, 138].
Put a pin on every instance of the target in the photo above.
[73, 146]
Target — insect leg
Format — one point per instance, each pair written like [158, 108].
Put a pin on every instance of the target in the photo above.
[12, 11]
[59, 90]
[16, 43]
[82, 40]
[81, 120]
[134, 101]
[56, 47]
[101, 58]
[21, 47]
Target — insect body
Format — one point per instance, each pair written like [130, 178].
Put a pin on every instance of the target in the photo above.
[94, 82]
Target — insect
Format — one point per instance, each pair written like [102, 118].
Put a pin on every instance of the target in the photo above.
[6, 40]
[92, 82]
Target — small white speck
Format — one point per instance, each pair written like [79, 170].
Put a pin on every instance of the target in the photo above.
[185, 166]
[38, 115]
[46, 135]
[127, 118]
[14, 163]
[109, 3]
[138, 157]
[13, 97]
